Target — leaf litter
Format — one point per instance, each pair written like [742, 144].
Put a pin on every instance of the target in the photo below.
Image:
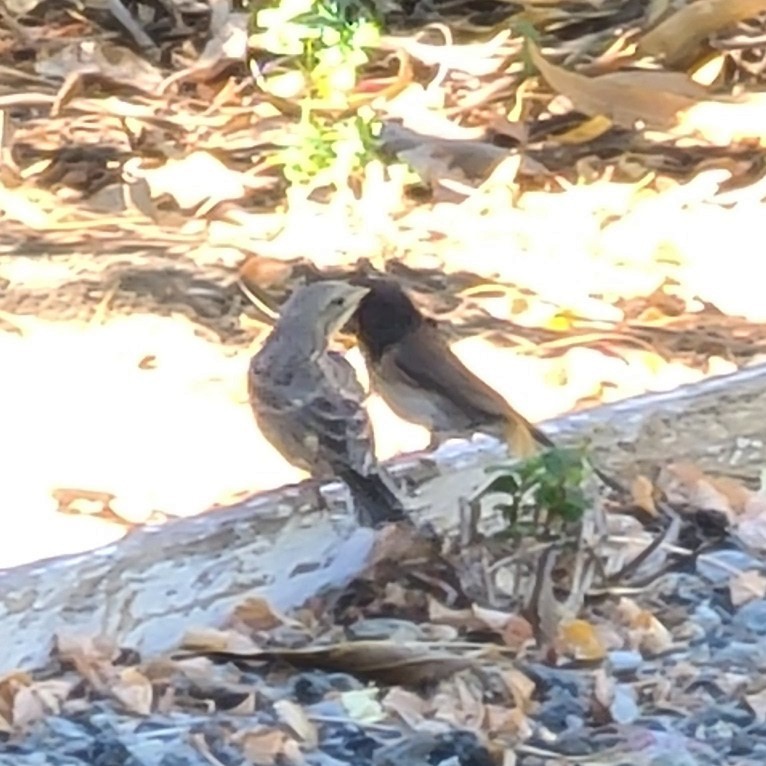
[138, 152]
[421, 659]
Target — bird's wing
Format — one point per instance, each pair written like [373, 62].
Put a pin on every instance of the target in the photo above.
[426, 359]
[313, 412]
[341, 412]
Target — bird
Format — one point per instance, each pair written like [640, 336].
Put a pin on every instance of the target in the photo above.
[308, 403]
[413, 369]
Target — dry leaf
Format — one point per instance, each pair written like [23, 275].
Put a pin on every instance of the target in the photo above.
[295, 717]
[255, 614]
[180, 179]
[746, 586]
[579, 639]
[521, 688]
[27, 707]
[213, 640]
[757, 703]
[39, 699]
[459, 704]
[362, 704]
[461, 618]
[393, 662]
[603, 688]
[518, 633]
[10, 684]
[653, 99]
[262, 747]
[685, 483]
[642, 494]
[134, 690]
[648, 633]
[408, 706]
[491, 618]
[676, 39]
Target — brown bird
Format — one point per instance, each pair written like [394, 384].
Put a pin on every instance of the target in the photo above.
[308, 402]
[413, 369]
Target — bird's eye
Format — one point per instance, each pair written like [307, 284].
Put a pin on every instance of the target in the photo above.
[338, 301]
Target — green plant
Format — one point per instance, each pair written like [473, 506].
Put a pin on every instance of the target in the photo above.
[329, 38]
[550, 484]
[327, 41]
[327, 152]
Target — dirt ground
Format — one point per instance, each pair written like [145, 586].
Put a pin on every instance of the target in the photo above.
[124, 383]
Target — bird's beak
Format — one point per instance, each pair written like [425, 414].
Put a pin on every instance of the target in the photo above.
[343, 323]
[354, 298]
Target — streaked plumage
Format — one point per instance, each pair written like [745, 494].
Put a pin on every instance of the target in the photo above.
[308, 402]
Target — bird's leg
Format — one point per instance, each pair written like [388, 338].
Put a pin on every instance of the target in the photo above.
[470, 513]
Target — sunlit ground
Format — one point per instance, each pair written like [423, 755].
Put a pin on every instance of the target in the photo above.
[138, 418]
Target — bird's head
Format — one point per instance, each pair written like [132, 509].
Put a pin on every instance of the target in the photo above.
[319, 310]
[386, 314]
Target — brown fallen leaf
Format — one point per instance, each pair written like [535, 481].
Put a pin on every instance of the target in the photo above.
[676, 40]
[213, 640]
[134, 690]
[410, 707]
[647, 632]
[35, 701]
[405, 663]
[685, 483]
[255, 614]
[579, 639]
[642, 494]
[263, 747]
[747, 586]
[294, 716]
[654, 99]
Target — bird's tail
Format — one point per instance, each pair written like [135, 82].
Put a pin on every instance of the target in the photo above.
[524, 439]
[375, 502]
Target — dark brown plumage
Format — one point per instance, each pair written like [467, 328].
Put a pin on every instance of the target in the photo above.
[414, 370]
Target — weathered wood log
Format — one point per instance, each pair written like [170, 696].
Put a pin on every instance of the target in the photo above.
[146, 590]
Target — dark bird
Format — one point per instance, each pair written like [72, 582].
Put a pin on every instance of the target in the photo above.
[308, 402]
[414, 370]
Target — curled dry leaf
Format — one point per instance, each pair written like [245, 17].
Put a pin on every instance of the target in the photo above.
[461, 618]
[492, 618]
